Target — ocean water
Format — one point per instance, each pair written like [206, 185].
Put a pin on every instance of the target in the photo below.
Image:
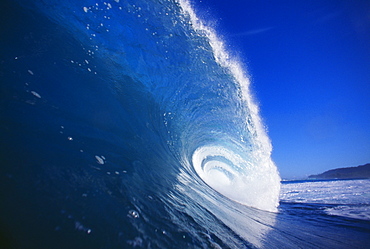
[126, 124]
[346, 198]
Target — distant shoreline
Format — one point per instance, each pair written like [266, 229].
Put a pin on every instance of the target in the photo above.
[359, 172]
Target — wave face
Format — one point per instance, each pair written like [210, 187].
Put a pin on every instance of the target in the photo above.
[208, 119]
[137, 105]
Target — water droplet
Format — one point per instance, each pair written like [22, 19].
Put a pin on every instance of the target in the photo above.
[36, 94]
[99, 159]
[134, 214]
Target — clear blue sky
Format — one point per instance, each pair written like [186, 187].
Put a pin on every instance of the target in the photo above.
[309, 63]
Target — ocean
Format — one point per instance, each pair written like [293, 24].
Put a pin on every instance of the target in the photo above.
[127, 124]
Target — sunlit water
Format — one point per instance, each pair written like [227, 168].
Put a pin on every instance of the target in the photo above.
[126, 124]
[349, 198]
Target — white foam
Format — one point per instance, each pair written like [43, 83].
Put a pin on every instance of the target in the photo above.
[329, 192]
[258, 183]
[236, 178]
[349, 197]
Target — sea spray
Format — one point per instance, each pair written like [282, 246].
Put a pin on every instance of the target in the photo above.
[247, 175]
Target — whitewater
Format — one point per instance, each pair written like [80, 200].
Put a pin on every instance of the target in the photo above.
[346, 198]
[127, 124]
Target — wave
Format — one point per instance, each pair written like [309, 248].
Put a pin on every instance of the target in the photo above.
[202, 93]
[237, 163]
[151, 85]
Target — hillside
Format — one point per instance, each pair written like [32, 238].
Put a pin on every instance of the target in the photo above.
[362, 171]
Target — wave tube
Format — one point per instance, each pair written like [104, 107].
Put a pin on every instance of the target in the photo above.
[242, 171]
[234, 177]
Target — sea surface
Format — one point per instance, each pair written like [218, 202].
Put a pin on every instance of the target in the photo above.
[345, 198]
[127, 124]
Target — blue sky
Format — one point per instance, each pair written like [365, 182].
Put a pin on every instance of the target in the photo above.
[309, 63]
